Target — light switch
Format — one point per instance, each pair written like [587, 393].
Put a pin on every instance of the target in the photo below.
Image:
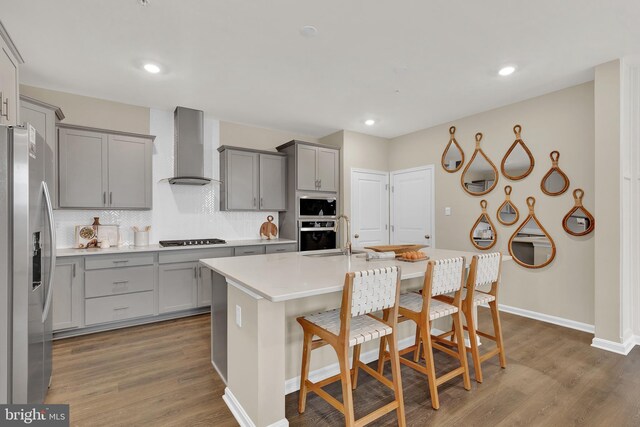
[239, 316]
[447, 211]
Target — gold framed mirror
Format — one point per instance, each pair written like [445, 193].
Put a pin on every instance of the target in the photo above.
[555, 182]
[483, 234]
[518, 162]
[453, 156]
[578, 221]
[507, 213]
[480, 176]
[530, 245]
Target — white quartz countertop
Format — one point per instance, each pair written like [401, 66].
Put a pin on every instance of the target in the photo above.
[69, 252]
[288, 276]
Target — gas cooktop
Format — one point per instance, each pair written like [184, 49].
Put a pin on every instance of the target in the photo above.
[192, 242]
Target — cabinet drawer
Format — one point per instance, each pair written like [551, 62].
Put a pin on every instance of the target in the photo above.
[111, 261]
[273, 249]
[116, 281]
[249, 250]
[118, 307]
[188, 255]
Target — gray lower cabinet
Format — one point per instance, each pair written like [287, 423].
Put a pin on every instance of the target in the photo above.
[276, 249]
[252, 180]
[98, 169]
[43, 117]
[67, 294]
[177, 287]
[205, 282]
[118, 307]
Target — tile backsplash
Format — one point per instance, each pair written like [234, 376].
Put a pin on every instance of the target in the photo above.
[179, 211]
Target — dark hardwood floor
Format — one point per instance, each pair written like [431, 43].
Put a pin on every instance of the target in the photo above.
[160, 375]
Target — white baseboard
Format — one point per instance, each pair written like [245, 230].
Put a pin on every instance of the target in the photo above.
[241, 415]
[547, 318]
[621, 348]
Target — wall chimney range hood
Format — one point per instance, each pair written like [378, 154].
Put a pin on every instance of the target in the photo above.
[189, 148]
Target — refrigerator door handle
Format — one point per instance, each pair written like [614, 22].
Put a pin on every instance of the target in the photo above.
[52, 245]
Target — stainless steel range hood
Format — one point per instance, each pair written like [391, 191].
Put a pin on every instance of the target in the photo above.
[189, 148]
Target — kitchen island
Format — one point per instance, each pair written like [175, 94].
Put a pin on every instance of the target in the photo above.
[265, 294]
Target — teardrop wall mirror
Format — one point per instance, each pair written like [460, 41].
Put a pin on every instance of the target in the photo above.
[507, 213]
[483, 234]
[530, 245]
[518, 162]
[453, 156]
[555, 182]
[480, 176]
[578, 221]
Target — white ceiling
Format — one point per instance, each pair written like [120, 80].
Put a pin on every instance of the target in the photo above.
[408, 64]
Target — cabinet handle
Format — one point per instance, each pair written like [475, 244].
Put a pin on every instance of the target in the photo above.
[254, 202]
[104, 198]
[110, 198]
[195, 272]
[73, 270]
[6, 108]
[124, 307]
[319, 183]
[261, 202]
[121, 282]
[280, 250]
[1, 109]
[120, 261]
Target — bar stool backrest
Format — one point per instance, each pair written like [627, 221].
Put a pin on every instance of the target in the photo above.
[374, 290]
[488, 268]
[446, 275]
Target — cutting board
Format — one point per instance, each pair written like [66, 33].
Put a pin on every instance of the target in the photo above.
[268, 230]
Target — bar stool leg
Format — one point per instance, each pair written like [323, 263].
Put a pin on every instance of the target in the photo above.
[497, 328]
[345, 376]
[355, 367]
[425, 334]
[473, 341]
[383, 344]
[462, 350]
[418, 344]
[306, 356]
[397, 380]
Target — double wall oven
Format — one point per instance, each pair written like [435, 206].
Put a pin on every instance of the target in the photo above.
[316, 222]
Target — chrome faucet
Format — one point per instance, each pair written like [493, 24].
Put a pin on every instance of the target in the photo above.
[347, 248]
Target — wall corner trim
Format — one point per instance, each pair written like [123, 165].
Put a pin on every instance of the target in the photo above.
[241, 415]
[622, 348]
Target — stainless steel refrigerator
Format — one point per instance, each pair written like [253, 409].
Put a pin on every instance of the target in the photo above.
[27, 264]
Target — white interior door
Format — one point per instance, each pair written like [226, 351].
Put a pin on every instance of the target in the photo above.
[369, 208]
[412, 206]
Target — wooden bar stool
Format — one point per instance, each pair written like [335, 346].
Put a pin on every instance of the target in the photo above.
[352, 325]
[442, 277]
[485, 270]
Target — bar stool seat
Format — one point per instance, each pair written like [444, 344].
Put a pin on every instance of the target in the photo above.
[363, 328]
[479, 297]
[437, 309]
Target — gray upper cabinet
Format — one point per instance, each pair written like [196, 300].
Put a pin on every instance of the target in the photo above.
[129, 171]
[318, 168]
[43, 117]
[252, 180]
[273, 182]
[98, 169]
[328, 169]
[9, 87]
[82, 174]
[307, 162]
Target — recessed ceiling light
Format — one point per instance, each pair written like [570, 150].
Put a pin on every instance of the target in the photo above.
[309, 31]
[369, 122]
[508, 70]
[144, 2]
[152, 68]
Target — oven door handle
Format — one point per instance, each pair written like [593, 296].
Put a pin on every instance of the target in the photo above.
[317, 229]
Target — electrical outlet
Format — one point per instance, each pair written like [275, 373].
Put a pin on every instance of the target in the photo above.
[239, 316]
[447, 211]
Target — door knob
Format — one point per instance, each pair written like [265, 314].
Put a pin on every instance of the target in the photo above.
[356, 236]
[426, 236]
